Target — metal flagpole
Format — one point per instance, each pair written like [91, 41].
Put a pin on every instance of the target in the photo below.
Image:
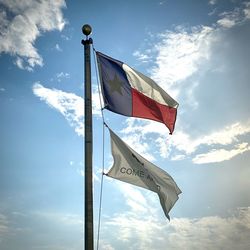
[88, 223]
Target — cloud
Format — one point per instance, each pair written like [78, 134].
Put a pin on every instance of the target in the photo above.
[234, 17]
[131, 229]
[219, 155]
[212, 12]
[69, 105]
[132, 233]
[213, 232]
[61, 76]
[183, 141]
[247, 10]
[225, 136]
[22, 22]
[58, 48]
[229, 19]
[226, 22]
[137, 133]
[133, 197]
[140, 144]
[97, 101]
[184, 145]
[20, 64]
[141, 57]
[140, 206]
[212, 2]
[179, 55]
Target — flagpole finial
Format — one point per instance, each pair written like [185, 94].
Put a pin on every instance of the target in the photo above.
[86, 29]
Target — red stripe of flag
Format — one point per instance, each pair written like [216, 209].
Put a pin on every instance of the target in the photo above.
[145, 107]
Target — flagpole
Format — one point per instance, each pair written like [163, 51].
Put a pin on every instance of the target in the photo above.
[88, 204]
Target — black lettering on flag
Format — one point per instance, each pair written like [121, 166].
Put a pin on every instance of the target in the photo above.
[130, 171]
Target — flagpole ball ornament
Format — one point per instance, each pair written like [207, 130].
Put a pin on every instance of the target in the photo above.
[86, 29]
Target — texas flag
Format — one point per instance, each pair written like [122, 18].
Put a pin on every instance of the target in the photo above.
[130, 93]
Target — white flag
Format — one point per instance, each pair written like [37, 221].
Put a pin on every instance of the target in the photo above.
[132, 168]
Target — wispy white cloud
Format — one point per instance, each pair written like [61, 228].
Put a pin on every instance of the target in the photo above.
[212, 2]
[58, 48]
[140, 207]
[225, 136]
[142, 147]
[20, 63]
[214, 142]
[97, 101]
[214, 232]
[162, 2]
[219, 155]
[60, 76]
[178, 157]
[179, 54]
[69, 105]
[22, 22]
[229, 19]
[141, 57]
[212, 12]
[247, 10]
[66, 38]
[133, 197]
[183, 144]
[136, 133]
[238, 15]
[133, 233]
[226, 22]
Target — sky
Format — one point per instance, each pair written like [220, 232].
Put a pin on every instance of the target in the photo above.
[197, 51]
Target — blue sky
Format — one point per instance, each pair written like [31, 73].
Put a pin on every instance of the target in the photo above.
[198, 51]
